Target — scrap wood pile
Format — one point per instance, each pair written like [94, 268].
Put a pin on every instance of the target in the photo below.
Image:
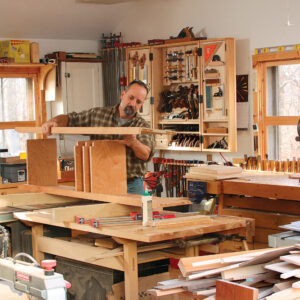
[271, 274]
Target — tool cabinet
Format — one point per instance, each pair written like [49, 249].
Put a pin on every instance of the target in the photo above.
[192, 92]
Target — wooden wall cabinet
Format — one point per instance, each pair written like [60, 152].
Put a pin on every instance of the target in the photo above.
[81, 87]
[193, 92]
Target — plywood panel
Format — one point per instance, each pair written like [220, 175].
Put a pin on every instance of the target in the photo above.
[86, 166]
[41, 162]
[108, 168]
[232, 291]
[78, 159]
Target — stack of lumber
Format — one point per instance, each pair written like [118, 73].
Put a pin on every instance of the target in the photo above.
[214, 172]
[294, 226]
[270, 274]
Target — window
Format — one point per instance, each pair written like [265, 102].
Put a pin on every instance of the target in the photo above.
[22, 103]
[277, 105]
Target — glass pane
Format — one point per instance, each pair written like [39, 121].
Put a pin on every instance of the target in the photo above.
[17, 99]
[283, 90]
[282, 144]
[13, 141]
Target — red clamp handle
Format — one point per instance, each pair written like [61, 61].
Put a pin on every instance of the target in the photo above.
[68, 284]
[48, 264]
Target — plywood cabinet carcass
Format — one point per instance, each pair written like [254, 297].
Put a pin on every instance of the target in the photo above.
[81, 87]
[192, 92]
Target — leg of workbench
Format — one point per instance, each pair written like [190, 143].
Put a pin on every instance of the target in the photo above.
[189, 251]
[221, 203]
[37, 231]
[131, 271]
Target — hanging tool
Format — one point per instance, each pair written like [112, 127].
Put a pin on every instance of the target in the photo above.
[187, 66]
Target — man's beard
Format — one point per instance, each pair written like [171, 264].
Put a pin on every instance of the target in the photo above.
[129, 110]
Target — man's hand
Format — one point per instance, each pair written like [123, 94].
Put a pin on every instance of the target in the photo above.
[58, 121]
[46, 127]
[129, 140]
[140, 150]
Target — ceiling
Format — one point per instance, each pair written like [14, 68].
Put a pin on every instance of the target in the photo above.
[61, 19]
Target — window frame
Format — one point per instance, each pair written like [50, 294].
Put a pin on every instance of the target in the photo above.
[39, 73]
[261, 120]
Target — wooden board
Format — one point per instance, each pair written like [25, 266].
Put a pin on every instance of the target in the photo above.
[34, 199]
[108, 168]
[292, 258]
[188, 265]
[232, 291]
[183, 221]
[243, 272]
[211, 176]
[41, 162]
[269, 186]
[92, 211]
[215, 170]
[128, 199]
[282, 267]
[78, 161]
[273, 205]
[266, 257]
[86, 166]
[262, 219]
[96, 130]
[80, 252]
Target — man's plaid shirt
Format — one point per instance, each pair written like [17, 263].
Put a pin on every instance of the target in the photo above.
[108, 117]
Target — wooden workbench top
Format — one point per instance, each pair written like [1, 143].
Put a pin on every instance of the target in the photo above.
[139, 232]
[264, 184]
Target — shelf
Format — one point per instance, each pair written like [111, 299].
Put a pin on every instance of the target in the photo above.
[26, 65]
[212, 75]
[178, 148]
[180, 82]
[215, 134]
[216, 64]
[212, 84]
[215, 150]
[188, 132]
[216, 121]
[180, 121]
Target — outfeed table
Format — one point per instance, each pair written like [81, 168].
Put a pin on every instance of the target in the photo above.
[271, 199]
[124, 258]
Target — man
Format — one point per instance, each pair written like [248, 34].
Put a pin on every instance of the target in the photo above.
[139, 149]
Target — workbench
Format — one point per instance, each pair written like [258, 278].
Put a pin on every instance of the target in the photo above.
[127, 257]
[271, 199]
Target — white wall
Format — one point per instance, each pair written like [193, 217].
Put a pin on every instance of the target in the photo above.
[253, 23]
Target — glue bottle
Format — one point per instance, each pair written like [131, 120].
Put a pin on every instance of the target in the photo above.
[147, 209]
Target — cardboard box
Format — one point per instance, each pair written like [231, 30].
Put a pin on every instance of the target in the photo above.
[17, 49]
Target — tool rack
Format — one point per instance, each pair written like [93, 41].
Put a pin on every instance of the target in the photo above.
[192, 91]
[139, 68]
